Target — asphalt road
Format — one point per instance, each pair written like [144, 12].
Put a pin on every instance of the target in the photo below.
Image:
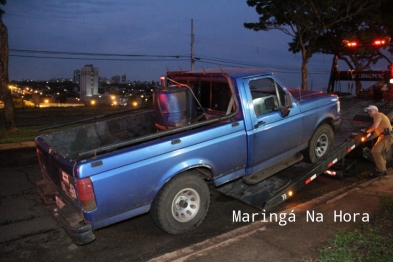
[27, 232]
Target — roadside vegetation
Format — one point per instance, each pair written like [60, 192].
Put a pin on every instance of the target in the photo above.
[22, 135]
[369, 242]
[31, 120]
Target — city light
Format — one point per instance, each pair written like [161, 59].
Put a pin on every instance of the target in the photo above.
[51, 94]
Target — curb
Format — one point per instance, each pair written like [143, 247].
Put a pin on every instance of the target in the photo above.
[19, 145]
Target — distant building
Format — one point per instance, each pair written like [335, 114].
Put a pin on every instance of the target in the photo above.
[77, 77]
[123, 79]
[116, 79]
[88, 82]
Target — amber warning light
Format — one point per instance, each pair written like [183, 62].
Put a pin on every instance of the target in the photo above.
[364, 138]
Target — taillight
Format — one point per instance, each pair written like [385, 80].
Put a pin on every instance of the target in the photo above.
[86, 194]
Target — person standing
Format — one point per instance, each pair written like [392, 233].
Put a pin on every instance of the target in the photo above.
[383, 130]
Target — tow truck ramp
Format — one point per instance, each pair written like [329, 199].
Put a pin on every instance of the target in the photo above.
[283, 185]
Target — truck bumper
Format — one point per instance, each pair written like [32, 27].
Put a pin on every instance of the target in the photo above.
[70, 220]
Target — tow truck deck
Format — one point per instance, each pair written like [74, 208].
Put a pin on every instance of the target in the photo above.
[280, 187]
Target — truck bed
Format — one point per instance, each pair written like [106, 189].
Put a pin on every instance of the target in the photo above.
[89, 140]
[102, 136]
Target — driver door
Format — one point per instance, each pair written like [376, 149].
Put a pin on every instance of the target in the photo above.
[274, 135]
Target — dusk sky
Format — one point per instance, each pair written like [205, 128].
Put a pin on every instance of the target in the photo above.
[47, 39]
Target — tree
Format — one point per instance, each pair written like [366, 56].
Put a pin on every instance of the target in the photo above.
[305, 21]
[9, 109]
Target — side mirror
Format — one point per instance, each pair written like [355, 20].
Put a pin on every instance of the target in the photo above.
[287, 107]
[288, 100]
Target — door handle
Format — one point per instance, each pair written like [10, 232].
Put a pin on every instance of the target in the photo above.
[176, 141]
[259, 123]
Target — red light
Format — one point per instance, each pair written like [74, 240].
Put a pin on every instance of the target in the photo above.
[351, 148]
[86, 194]
[331, 173]
[350, 43]
[332, 163]
[310, 179]
[379, 42]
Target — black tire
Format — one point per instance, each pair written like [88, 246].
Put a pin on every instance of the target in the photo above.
[182, 204]
[321, 143]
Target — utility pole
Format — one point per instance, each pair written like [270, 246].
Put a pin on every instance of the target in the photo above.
[192, 45]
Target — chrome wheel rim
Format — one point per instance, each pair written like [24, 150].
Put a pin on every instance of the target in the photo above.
[185, 205]
[322, 145]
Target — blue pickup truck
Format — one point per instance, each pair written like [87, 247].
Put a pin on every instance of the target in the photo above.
[209, 126]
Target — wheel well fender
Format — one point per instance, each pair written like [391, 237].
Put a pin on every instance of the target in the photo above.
[201, 169]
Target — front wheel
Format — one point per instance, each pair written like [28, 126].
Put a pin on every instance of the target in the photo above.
[182, 204]
[321, 143]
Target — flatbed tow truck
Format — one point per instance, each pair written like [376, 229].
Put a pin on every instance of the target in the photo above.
[282, 186]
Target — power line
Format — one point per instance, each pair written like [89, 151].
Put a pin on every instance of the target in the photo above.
[283, 69]
[249, 64]
[89, 54]
[231, 65]
[152, 58]
[101, 59]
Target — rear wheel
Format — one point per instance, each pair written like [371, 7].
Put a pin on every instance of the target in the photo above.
[182, 204]
[321, 143]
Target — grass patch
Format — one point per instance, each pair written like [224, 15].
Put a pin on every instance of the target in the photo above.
[29, 133]
[22, 135]
[51, 116]
[370, 242]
